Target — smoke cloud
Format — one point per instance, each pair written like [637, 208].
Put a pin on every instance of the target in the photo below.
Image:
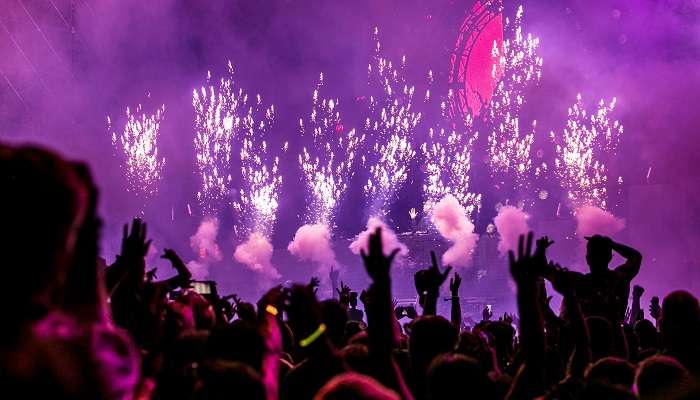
[312, 242]
[203, 243]
[389, 238]
[451, 220]
[511, 222]
[256, 254]
[591, 220]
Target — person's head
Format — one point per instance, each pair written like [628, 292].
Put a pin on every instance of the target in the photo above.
[335, 317]
[658, 376]
[503, 338]
[356, 357]
[598, 253]
[430, 337]
[611, 371]
[354, 386]
[451, 376]
[599, 391]
[647, 334]
[43, 204]
[241, 341]
[601, 334]
[680, 320]
[472, 344]
[227, 380]
[351, 329]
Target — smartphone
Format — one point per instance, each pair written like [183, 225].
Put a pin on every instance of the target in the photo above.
[202, 287]
[655, 300]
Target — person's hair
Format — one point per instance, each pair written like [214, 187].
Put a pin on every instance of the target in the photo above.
[599, 391]
[471, 344]
[356, 357]
[450, 376]
[227, 380]
[611, 371]
[598, 253]
[680, 320]
[42, 206]
[354, 386]
[647, 334]
[658, 376]
[335, 317]
[240, 341]
[430, 337]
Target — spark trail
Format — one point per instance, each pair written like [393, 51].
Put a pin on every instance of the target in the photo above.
[218, 120]
[138, 145]
[390, 125]
[516, 66]
[581, 150]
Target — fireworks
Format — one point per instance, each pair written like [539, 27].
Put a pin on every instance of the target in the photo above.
[390, 125]
[217, 120]
[259, 193]
[328, 172]
[585, 140]
[517, 65]
[139, 144]
[448, 162]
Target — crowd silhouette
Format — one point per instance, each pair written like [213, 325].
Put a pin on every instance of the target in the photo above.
[77, 328]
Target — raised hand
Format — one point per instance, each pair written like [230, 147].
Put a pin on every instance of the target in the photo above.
[543, 243]
[365, 298]
[151, 275]
[314, 283]
[637, 291]
[376, 263]
[524, 268]
[343, 293]
[454, 284]
[486, 314]
[562, 280]
[334, 275]
[655, 308]
[134, 242]
[434, 277]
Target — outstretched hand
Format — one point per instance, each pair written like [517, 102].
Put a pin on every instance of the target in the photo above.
[376, 263]
[314, 283]
[434, 278]
[524, 268]
[134, 243]
[343, 293]
[334, 274]
[454, 284]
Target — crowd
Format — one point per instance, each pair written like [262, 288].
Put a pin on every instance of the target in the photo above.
[76, 328]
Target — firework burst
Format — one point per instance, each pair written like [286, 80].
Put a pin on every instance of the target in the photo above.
[138, 143]
[516, 65]
[447, 159]
[258, 196]
[327, 165]
[390, 125]
[580, 150]
[218, 119]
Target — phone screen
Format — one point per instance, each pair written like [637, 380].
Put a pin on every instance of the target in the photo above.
[202, 287]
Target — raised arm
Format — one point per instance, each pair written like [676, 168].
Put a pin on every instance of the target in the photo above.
[380, 327]
[428, 282]
[633, 259]
[182, 279]
[565, 284]
[530, 380]
[456, 309]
